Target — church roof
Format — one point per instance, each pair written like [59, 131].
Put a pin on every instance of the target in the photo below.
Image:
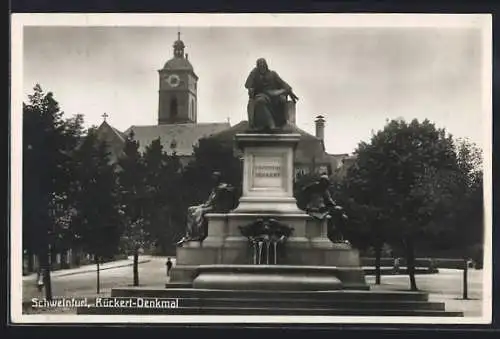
[121, 135]
[309, 149]
[113, 137]
[185, 135]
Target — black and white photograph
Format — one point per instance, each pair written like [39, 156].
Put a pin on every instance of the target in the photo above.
[224, 168]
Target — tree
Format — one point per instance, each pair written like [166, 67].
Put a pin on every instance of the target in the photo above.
[368, 223]
[132, 191]
[97, 222]
[468, 217]
[164, 213]
[156, 190]
[401, 181]
[47, 144]
[210, 155]
[301, 181]
[174, 207]
[63, 203]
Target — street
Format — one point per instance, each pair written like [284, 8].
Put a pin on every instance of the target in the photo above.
[151, 273]
[446, 286]
[446, 282]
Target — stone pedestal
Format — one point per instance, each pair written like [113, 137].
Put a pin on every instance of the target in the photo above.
[268, 173]
[268, 193]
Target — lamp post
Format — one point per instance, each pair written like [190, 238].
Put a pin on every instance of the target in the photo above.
[465, 278]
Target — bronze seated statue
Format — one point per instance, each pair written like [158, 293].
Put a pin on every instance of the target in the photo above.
[268, 94]
[222, 199]
[318, 203]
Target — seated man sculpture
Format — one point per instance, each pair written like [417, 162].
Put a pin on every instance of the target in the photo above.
[320, 205]
[221, 200]
[268, 95]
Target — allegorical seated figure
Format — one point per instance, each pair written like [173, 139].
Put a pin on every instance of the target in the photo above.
[320, 205]
[221, 200]
[268, 94]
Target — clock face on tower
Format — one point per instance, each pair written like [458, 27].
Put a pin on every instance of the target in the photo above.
[173, 80]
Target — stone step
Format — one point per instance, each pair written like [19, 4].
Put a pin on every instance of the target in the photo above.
[343, 295]
[400, 271]
[267, 311]
[178, 285]
[310, 303]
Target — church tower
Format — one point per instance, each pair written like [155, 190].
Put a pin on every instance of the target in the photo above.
[178, 89]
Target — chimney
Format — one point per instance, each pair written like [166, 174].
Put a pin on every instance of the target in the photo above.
[187, 56]
[320, 127]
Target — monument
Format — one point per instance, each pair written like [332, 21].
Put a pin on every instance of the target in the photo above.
[221, 199]
[267, 98]
[263, 255]
[267, 235]
[320, 205]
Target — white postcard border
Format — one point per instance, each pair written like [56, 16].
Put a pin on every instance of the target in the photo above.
[19, 21]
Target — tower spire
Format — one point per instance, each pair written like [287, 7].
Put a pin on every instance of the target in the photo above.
[179, 45]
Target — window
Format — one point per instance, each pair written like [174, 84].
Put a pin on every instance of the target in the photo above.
[173, 108]
[191, 113]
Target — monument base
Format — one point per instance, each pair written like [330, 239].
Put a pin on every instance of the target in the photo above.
[260, 204]
[307, 259]
[266, 277]
[256, 277]
[309, 251]
[193, 301]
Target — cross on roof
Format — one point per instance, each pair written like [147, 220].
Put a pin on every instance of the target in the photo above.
[173, 144]
[105, 115]
[178, 34]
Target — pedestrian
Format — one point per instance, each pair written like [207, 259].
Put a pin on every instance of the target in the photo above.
[169, 266]
[397, 264]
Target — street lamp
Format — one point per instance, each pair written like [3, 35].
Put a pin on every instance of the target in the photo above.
[465, 289]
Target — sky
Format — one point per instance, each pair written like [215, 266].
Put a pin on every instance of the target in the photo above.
[356, 77]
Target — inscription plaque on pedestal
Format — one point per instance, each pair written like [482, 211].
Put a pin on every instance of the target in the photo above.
[267, 172]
